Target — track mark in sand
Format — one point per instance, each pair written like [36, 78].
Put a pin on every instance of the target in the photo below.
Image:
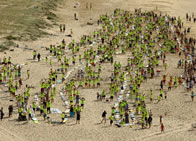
[10, 135]
[158, 5]
[159, 134]
[163, 2]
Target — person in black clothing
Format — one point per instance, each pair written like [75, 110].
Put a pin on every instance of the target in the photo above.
[98, 96]
[126, 117]
[104, 116]
[77, 117]
[150, 121]
[2, 113]
[64, 28]
[10, 109]
[75, 17]
[161, 84]
[38, 56]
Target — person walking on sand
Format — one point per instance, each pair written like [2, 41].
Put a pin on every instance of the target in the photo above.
[29, 113]
[192, 96]
[104, 117]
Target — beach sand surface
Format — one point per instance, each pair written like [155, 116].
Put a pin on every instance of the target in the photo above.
[178, 111]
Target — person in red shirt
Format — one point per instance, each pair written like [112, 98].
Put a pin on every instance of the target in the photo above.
[162, 128]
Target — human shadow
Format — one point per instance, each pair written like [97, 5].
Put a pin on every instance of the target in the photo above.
[69, 35]
[98, 123]
[106, 126]
[188, 101]
[23, 123]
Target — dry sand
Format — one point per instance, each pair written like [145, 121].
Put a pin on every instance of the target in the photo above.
[180, 111]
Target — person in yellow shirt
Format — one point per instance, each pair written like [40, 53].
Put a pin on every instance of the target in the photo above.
[111, 119]
[63, 116]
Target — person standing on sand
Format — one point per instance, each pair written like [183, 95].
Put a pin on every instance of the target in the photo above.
[161, 119]
[20, 82]
[60, 27]
[78, 111]
[2, 113]
[34, 106]
[45, 113]
[192, 96]
[10, 109]
[1, 78]
[63, 116]
[162, 128]
[48, 105]
[38, 57]
[104, 116]
[150, 120]
[64, 27]
[82, 102]
[34, 54]
[111, 119]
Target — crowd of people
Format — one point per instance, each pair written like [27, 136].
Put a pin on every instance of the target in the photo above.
[147, 37]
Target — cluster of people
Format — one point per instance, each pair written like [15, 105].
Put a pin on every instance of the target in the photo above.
[149, 37]
[146, 36]
[11, 76]
[62, 28]
[189, 17]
